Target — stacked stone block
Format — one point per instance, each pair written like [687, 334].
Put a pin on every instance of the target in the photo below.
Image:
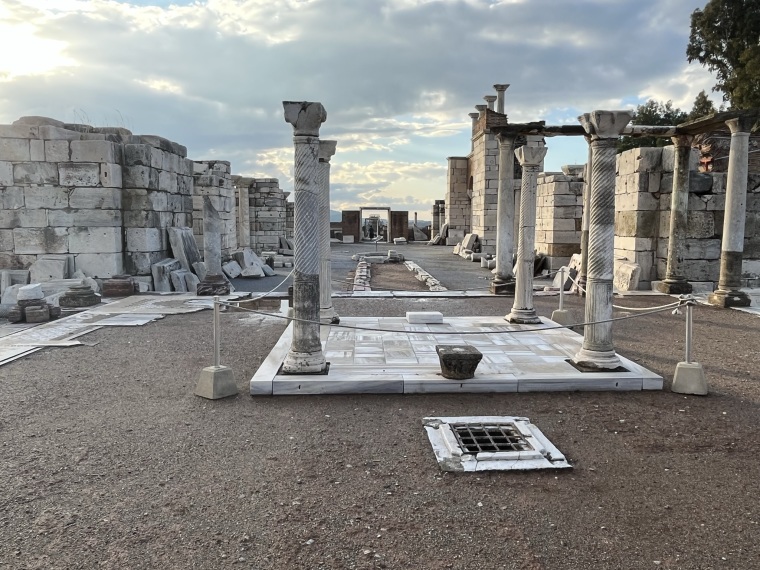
[289, 217]
[483, 167]
[157, 194]
[212, 178]
[458, 213]
[267, 214]
[559, 210]
[60, 193]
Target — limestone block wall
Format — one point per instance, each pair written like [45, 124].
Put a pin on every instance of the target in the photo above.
[267, 214]
[458, 212]
[212, 178]
[157, 194]
[289, 217]
[559, 211]
[483, 167]
[60, 193]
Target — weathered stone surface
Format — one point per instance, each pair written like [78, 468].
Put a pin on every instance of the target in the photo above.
[56, 286]
[183, 246]
[627, 276]
[118, 286]
[146, 239]
[35, 173]
[252, 271]
[79, 174]
[40, 240]
[46, 268]
[6, 173]
[200, 269]
[424, 317]
[232, 269]
[162, 274]
[213, 284]
[37, 314]
[95, 240]
[191, 282]
[14, 150]
[95, 198]
[10, 295]
[100, 265]
[95, 151]
[178, 280]
[29, 292]
[79, 296]
[458, 362]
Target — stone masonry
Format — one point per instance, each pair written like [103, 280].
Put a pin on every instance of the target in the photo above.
[559, 208]
[212, 178]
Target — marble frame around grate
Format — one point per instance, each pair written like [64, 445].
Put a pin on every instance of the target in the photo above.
[404, 361]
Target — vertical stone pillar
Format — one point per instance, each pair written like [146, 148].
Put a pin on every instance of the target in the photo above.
[675, 282]
[305, 355]
[582, 277]
[327, 314]
[504, 280]
[474, 117]
[500, 89]
[244, 215]
[212, 238]
[490, 100]
[728, 293]
[530, 158]
[597, 351]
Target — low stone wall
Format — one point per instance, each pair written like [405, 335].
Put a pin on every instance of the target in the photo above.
[267, 214]
[212, 178]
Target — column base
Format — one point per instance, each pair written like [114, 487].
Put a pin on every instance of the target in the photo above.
[304, 363]
[689, 379]
[673, 287]
[597, 359]
[328, 316]
[523, 317]
[502, 287]
[727, 299]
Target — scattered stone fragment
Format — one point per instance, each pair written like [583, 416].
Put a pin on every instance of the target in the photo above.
[184, 247]
[213, 284]
[37, 314]
[178, 280]
[232, 269]
[33, 291]
[79, 296]
[118, 286]
[162, 274]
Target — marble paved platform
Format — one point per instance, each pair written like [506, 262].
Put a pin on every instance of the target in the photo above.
[397, 357]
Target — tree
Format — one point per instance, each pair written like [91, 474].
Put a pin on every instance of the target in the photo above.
[652, 113]
[724, 37]
[702, 106]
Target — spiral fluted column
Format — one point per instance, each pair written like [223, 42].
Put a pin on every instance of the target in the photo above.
[305, 355]
[530, 158]
[598, 351]
[327, 314]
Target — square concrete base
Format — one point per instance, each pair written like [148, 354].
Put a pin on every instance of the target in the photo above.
[689, 379]
[216, 382]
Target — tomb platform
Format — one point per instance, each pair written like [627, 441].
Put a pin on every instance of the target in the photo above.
[394, 356]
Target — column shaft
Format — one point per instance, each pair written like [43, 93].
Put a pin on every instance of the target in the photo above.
[728, 293]
[505, 210]
[327, 314]
[675, 282]
[585, 222]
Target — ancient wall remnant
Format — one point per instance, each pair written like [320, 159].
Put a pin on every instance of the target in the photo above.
[212, 178]
[559, 209]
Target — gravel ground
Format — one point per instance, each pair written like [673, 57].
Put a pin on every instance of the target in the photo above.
[109, 461]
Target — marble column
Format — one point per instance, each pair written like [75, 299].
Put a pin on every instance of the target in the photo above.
[675, 283]
[585, 216]
[213, 282]
[244, 216]
[530, 158]
[305, 355]
[504, 280]
[327, 314]
[490, 100]
[728, 293]
[474, 117]
[500, 89]
[598, 351]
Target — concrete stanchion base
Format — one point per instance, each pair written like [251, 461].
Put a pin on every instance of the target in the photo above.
[216, 382]
[689, 379]
[562, 317]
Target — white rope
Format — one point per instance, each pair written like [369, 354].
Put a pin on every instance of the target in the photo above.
[623, 308]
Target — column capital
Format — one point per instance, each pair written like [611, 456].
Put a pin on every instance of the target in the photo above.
[305, 116]
[741, 124]
[530, 155]
[605, 124]
[501, 87]
[682, 140]
[506, 139]
[473, 116]
[326, 150]
[490, 100]
[481, 108]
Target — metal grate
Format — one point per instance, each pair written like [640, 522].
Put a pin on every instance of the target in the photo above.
[492, 438]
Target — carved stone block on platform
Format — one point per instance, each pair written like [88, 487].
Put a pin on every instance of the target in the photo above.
[79, 296]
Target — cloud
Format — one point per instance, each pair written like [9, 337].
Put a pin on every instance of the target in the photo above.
[397, 77]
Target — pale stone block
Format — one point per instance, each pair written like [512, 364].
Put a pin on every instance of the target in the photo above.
[140, 177]
[647, 159]
[95, 240]
[11, 197]
[57, 151]
[40, 240]
[232, 269]
[700, 225]
[424, 317]
[157, 158]
[49, 132]
[47, 268]
[19, 131]
[15, 150]
[633, 243]
[94, 151]
[85, 217]
[162, 274]
[79, 174]
[6, 173]
[23, 218]
[95, 198]
[146, 239]
[51, 197]
[100, 265]
[6, 240]
[37, 150]
[35, 173]
[110, 175]
[178, 280]
[30, 292]
[141, 262]
[636, 201]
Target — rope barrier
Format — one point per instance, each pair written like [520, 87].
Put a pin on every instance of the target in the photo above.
[623, 308]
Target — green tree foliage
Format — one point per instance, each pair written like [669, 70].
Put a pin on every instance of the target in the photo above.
[702, 106]
[652, 113]
[725, 38]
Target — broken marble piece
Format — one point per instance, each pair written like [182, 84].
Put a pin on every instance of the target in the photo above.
[458, 362]
[10, 295]
[252, 271]
[33, 291]
[118, 286]
[184, 247]
[178, 280]
[162, 274]
[232, 269]
[200, 269]
[191, 282]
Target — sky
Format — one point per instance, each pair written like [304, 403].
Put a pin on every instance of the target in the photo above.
[397, 77]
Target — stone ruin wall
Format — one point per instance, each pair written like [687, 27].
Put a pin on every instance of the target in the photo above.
[458, 210]
[212, 178]
[102, 198]
[559, 210]
[289, 218]
[483, 167]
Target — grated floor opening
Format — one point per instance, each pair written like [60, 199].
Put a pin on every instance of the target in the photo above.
[492, 438]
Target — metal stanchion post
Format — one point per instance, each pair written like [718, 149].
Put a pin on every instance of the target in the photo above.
[216, 381]
[689, 377]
